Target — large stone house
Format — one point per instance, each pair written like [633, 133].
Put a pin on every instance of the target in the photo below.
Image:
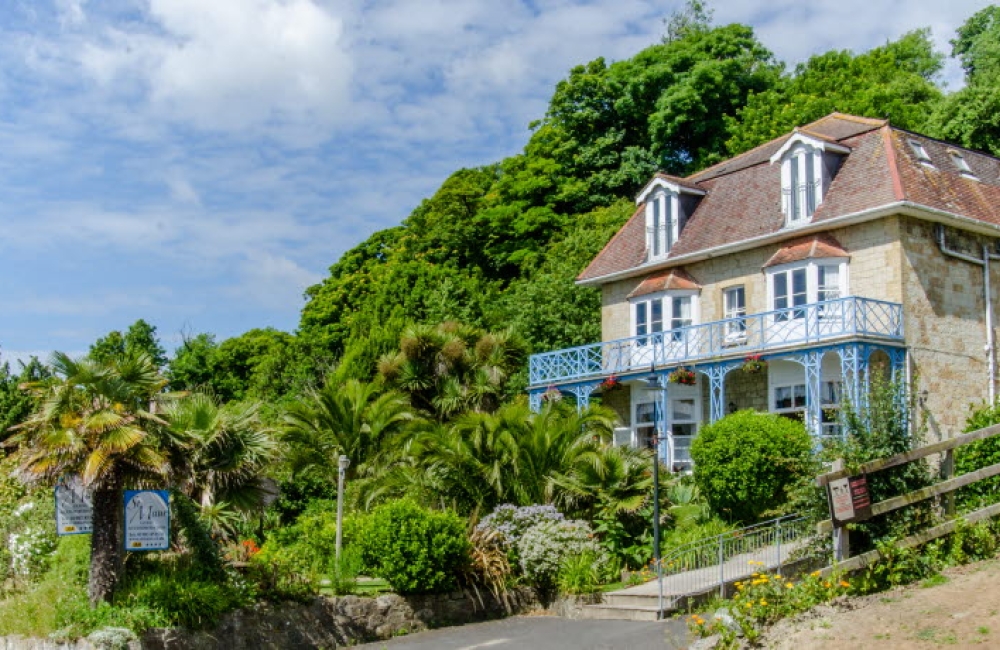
[843, 245]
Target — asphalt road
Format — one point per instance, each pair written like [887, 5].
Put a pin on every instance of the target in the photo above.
[546, 633]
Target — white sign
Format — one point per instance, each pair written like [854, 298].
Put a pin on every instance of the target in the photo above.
[74, 507]
[147, 520]
[840, 499]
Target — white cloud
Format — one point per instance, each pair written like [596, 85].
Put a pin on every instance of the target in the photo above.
[231, 64]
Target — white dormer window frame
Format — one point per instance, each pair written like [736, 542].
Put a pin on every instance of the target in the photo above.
[803, 182]
[961, 164]
[662, 199]
[662, 223]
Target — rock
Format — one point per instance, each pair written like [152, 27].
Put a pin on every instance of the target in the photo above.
[723, 616]
[708, 643]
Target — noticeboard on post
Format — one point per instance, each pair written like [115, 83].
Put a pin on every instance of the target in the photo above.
[74, 507]
[147, 520]
[849, 499]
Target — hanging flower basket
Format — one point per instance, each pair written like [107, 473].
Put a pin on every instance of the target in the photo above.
[682, 376]
[753, 364]
[610, 384]
[551, 394]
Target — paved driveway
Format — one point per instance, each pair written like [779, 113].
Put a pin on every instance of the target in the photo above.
[547, 633]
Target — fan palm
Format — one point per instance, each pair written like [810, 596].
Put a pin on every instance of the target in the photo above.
[225, 450]
[96, 419]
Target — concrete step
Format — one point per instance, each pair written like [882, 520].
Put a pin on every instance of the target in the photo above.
[633, 600]
[619, 612]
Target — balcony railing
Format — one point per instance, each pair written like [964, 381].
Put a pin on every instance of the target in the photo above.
[805, 324]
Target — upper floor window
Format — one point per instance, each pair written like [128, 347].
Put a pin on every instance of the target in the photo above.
[662, 224]
[792, 286]
[801, 184]
[734, 308]
[919, 151]
[961, 164]
[669, 312]
[807, 165]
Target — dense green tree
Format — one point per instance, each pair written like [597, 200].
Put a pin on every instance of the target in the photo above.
[191, 367]
[894, 81]
[15, 403]
[971, 116]
[139, 337]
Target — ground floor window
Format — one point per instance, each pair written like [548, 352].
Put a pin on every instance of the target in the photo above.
[683, 417]
[790, 401]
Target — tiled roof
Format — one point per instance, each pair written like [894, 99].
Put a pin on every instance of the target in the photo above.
[804, 248]
[743, 199]
[674, 279]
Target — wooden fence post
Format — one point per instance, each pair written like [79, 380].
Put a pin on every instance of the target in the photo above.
[841, 540]
[947, 472]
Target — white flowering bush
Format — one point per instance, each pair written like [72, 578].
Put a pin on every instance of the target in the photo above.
[544, 548]
[513, 521]
[28, 538]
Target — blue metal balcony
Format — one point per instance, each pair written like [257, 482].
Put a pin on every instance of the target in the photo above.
[820, 322]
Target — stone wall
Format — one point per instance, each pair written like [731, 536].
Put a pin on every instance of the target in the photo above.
[323, 623]
[945, 327]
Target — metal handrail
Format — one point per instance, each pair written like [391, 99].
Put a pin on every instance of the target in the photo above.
[700, 565]
[757, 333]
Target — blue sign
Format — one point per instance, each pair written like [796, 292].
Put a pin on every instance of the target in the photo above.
[147, 520]
[74, 507]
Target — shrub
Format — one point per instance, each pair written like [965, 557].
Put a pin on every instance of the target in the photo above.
[545, 546]
[977, 455]
[414, 549]
[513, 521]
[579, 574]
[309, 546]
[27, 538]
[745, 462]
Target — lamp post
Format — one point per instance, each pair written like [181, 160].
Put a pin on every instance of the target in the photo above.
[653, 385]
[342, 464]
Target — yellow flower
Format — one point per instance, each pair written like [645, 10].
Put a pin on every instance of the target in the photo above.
[749, 605]
[826, 584]
[788, 585]
[844, 583]
[815, 574]
[763, 602]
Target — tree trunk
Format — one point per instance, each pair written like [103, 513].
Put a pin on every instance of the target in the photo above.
[106, 543]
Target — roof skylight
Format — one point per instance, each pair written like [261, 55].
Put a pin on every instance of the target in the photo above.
[920, 152]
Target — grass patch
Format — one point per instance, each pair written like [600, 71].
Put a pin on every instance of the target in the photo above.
[934, 581]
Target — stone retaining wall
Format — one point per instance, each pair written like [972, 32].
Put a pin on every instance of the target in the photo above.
[323, 623]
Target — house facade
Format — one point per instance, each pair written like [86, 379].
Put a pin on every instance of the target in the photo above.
[780, 279]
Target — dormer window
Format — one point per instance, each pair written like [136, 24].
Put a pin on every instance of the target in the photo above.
[661, 224]
[669, 202]
[801, 184]
[807, 167]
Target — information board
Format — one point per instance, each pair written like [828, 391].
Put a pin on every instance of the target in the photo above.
[74, 507]
[849, 499]
[147, 520]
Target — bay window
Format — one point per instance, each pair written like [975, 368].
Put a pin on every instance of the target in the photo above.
[668, 312]
[792, 286]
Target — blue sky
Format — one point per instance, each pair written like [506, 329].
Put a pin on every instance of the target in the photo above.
[199, 164]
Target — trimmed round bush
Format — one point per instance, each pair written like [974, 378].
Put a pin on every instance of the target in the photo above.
[745, 462]
[416, 550]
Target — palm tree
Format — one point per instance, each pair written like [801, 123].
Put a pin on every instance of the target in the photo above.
[354, 420]
[607, 482]
[450, 368]
[96, 419]
[224, 452]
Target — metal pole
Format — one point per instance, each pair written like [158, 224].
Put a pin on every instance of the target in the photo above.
[656, 524]
[778, 525]
[343, 463]
[722, 567]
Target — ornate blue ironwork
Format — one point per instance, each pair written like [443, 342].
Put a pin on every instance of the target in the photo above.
[812, 324]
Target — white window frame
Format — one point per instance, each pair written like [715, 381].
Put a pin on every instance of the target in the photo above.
[665, 299]
[831, 383]
[804, 165]
[662, 223]
[812, 272]
[735, 329]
